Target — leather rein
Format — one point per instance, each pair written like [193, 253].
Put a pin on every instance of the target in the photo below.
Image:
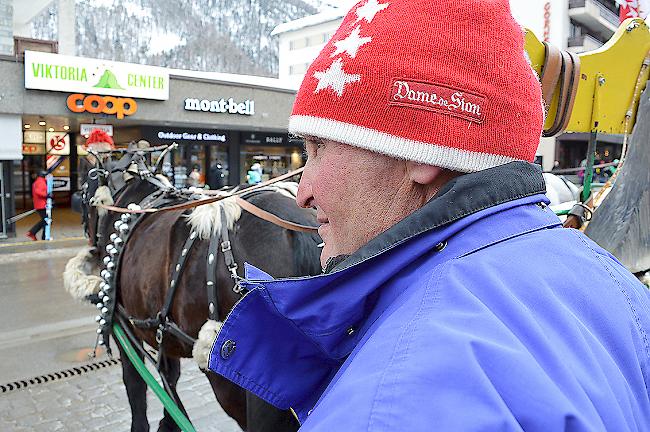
[262, 214]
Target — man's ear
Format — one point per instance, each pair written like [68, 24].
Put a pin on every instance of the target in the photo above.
[423, 174]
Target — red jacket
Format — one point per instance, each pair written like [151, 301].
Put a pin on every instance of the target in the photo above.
[39, 193]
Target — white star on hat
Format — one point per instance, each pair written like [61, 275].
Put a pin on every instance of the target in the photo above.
[369, 10]
[351, 44]
[335, 78]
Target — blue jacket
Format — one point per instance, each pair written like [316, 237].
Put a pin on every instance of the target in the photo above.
[478, 312]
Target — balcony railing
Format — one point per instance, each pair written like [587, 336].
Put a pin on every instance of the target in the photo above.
[604, 11]
[584, 43]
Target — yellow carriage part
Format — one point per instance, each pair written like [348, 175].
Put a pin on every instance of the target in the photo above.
[608, 77]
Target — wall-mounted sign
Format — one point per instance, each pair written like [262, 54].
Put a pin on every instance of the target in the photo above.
[547, 21]
[96, 104]
[45, 71]
[87, 128]
[228, 106]
[33, 149]
[261, 138]
[61, 184]
[57, 143]
[35, 137]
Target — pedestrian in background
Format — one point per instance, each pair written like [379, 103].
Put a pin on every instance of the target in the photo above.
[452, 299]
[39, 199]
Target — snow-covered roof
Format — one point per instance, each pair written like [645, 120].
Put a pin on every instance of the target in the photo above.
[311, 20]
[227, 78]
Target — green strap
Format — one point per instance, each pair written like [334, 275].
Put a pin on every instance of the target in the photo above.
[181, 420]
[589, 169]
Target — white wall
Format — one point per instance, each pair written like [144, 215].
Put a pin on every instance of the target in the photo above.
[11, 143]
[531, 14]
[300, 56]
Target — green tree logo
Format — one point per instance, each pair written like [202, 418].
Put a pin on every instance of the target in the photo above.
[108, 80]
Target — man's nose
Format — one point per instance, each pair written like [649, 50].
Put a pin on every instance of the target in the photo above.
[305, 198]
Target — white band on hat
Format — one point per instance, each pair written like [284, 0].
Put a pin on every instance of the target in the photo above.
[402, 148]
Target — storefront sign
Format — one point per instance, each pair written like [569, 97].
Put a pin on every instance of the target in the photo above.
[33, 149]
[191, 136]
[96, 104]
[36, 137]
[87, 128]
[228, 106]
[46, 71]
[258, 138]
[58, 143]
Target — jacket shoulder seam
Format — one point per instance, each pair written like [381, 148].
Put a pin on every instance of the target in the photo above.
[635, 315]
[406, 336]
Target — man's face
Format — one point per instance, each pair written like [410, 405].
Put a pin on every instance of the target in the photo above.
[357, 194]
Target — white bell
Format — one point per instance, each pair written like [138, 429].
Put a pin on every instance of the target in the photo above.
[100, 305]
[100, 294]
[99, 331]
[125, 217]
[104, 310]
[106, 299]
[110, 265]
[113, 236]
[106, 260]
[117, 223]
[102, 322]
[98, 318]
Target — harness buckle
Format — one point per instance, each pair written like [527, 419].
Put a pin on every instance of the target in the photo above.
[159, 335]
[225, 246]
[237, 289]
[233, 271]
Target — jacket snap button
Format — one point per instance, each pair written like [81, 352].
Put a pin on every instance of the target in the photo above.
[227, 349]
[440, 246]
[350, 331]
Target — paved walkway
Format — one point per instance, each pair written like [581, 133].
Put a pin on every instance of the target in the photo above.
[66, 226]
[44, 331]
[97, 401]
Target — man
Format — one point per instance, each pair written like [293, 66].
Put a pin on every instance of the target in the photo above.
[451, 298]
[39, 199]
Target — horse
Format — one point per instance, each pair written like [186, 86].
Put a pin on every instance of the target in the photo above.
[149, 260]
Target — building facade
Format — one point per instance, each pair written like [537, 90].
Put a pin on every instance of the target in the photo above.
[574, 25]
[222, 123]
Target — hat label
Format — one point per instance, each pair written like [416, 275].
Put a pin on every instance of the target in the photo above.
[438, 98]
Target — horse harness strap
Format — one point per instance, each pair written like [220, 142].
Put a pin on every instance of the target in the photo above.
[270, 217]
[560, 72]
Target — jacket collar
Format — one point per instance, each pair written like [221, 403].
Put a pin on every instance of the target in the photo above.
[313, 316]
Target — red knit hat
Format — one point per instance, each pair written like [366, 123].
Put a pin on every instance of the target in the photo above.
[99, 138]
[443, 82]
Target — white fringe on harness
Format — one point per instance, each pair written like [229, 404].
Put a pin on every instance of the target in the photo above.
[206, 219]
[102, 197]
[203, 345]
[76, 278]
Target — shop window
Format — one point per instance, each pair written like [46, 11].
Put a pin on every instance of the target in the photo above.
[275, 161]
